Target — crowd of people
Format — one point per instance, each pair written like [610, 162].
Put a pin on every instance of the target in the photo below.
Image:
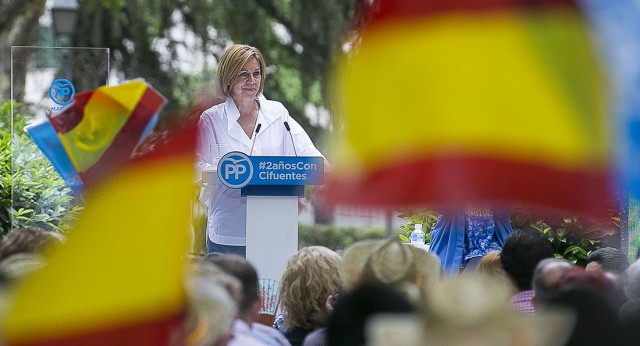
[384, 292]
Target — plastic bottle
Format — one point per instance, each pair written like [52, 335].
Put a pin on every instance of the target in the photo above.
[417, 236]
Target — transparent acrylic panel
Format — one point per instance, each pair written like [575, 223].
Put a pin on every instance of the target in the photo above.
[43, 81]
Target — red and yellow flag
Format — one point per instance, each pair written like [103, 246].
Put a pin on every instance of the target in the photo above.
[102, 127]
[463, 101]
[118, 279]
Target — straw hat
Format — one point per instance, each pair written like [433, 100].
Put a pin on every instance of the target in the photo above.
[354, 259]
[474, 310]
[393, 262]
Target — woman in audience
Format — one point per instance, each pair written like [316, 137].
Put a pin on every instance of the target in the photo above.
[312, 274]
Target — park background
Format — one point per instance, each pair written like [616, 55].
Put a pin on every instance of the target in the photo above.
[174, 46]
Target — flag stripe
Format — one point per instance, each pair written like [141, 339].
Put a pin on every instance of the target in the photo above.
[165, 331]
[455, 78]
[403, 10]
[463, 180]
[122, 265]
[70, 117]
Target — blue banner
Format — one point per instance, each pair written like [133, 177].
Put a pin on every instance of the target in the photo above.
[237, 170]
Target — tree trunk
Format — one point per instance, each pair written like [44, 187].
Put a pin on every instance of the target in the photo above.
[22, 32]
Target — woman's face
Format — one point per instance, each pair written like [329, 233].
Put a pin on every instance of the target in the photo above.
[248, 81]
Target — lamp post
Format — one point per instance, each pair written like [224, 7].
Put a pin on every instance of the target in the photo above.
[64, 14]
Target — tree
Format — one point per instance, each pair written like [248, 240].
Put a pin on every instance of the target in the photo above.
[300, 40]
[18, 27]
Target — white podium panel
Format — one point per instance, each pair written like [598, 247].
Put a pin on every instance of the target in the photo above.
[272, 233]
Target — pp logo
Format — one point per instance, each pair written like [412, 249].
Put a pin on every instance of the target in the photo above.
[61, 92]
[235, 170]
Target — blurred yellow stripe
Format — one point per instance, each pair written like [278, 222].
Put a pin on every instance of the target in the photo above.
[122, 264]
[514, 85]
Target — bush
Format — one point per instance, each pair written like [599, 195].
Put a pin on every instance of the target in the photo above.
[335, 238]
[40, 196]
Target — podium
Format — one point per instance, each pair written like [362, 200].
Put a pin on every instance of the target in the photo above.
[272, 186]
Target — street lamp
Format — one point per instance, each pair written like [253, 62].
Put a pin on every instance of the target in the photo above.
[65, 16]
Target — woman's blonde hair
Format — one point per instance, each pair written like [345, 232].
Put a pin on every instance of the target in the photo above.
[490, 265]
[231, 63]
[313, 273]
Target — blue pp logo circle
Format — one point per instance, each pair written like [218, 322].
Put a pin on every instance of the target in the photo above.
[235, 170]
[62, 91]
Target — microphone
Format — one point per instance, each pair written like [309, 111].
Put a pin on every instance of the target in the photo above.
[293, 143]
[253, 142]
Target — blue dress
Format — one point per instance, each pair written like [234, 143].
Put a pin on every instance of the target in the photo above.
[450, 234]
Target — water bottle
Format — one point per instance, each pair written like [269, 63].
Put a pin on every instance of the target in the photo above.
[417, 236]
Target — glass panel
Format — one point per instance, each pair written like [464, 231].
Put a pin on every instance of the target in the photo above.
[44, 80]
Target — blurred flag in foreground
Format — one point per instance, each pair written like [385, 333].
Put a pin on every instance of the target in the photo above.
[118, 280]
[617, 24]
[464, 101]
[98, 130]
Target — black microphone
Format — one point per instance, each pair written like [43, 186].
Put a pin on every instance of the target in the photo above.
[293, 143]
[253, 142]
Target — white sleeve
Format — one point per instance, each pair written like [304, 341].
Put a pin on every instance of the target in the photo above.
[304, 145]
[206, 137]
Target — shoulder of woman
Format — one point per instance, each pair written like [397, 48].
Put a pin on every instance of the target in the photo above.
[273, 106]
[211, 111]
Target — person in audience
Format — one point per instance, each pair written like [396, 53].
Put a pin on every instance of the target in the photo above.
[632, 281]
[406, 268]
[347, 323]
[608, 259]
[21, 251]
[587, 295]
[212, 297]
[312, 275]
[522, 252]
[546, 276]
[629, 312]
[245, 328]
[490, 265]
[354, 259]
[27, 240]
[473, 309]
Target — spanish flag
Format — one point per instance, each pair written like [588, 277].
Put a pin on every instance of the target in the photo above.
[469, 101]
[118, 279]
[100, 129]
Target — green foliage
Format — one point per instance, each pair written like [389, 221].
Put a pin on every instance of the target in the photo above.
[299, 39]
[334, 237]
[40, 197]
[425, 217]
[572, 237]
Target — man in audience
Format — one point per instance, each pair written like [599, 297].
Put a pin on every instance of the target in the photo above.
[609, 260]
[546, 276]
[246, 330]
[520, 255]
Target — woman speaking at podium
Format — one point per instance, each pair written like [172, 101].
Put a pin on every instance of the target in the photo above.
[245, 122]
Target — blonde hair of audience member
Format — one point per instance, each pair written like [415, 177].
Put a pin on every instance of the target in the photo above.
[490, 265]
[212, 297]
[409, 269]
[312, 274]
